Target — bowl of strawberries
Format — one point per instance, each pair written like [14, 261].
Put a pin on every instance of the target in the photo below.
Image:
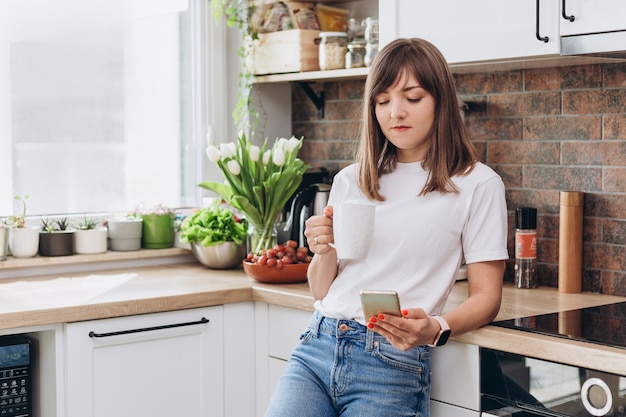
[284, 263]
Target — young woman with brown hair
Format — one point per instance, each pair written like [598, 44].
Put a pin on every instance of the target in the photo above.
[436, 206]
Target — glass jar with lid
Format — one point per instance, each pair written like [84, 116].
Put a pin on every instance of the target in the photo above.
[332, 50]
[371, 29]
[355, 57]
[371, 49]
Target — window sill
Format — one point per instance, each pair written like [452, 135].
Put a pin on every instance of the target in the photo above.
[45, 265]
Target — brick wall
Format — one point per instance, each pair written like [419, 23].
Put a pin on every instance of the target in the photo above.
[544, 131]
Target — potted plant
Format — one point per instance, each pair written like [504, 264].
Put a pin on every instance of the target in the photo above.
[124, 231]
[56, 238]
[89, 238]
[23, 239]
[217, 237]
[158, 228]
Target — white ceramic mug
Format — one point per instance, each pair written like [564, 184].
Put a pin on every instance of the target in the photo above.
[353, 229]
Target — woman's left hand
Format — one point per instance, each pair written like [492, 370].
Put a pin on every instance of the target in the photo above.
[413, 329]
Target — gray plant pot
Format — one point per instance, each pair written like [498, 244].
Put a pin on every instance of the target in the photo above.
[58, 243]
[125, 234]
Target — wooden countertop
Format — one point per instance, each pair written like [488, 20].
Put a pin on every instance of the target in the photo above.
[114, 293]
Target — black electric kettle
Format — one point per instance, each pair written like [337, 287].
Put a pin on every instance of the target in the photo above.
[307, 202]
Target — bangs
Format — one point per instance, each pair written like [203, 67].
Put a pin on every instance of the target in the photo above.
[401, 64]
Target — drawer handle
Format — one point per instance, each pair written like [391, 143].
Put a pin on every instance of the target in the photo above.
[203, 320]
[539, 37]
[565, 16]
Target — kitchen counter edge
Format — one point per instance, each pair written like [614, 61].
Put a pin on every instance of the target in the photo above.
[177, 287]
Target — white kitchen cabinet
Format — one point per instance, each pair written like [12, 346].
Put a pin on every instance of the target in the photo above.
[478, 30]
[278, 331]
[163, 364]
[455, 378]
[239, 357]
[593, 16]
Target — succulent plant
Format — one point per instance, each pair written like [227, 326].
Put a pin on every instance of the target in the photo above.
[54, 225]
[87, 224]
[19, 220]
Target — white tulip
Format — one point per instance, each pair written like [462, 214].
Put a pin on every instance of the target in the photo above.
[213, 153]
[282, 144]
[279, 157]
[266, 157]
[255, 151]
[228, 150]
[233, 167]
[292, 144]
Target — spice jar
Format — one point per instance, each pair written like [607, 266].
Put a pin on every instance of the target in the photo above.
[371, 49]
[525, 247]
[355, 57]
[332, 50]
[371, 30]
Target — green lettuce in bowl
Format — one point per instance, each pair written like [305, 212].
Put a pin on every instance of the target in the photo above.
[217, 237]
[213, 225]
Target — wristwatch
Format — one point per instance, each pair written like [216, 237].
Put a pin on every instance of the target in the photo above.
[444, 333]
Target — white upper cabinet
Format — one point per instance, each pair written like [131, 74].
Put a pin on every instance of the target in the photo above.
[593, 16]
[477, 30]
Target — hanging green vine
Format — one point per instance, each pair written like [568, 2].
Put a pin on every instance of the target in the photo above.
[237, 14]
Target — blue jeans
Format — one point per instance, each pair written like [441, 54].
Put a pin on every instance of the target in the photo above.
[342, 369]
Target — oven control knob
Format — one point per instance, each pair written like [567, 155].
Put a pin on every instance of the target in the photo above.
[596, 396]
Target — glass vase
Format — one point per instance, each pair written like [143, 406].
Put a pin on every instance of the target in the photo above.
[261, 237]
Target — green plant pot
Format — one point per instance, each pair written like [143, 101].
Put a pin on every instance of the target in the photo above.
[158, 231]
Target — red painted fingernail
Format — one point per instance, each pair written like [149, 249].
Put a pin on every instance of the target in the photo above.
[373, 320]
[381, 316]
[370, 326]
[405, 312]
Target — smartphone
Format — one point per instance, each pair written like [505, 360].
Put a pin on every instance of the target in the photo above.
[375, 302]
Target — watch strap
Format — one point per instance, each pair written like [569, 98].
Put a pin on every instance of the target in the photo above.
[444, 332]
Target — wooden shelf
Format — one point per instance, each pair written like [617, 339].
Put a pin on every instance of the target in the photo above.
[457, 68]
[314, 76]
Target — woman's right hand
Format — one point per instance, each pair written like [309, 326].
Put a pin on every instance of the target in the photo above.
[319, 232]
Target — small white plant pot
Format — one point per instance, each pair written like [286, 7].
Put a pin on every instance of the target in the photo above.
[87, 242]
[24, 242]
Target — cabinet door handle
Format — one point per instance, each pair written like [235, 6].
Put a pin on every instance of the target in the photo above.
[539, 37]
[203, 320]
[565, 16]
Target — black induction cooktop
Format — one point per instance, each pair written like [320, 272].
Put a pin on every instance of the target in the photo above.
[604, 325]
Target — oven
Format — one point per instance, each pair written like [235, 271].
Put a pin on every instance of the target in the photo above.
[520, 386]
[514, 385]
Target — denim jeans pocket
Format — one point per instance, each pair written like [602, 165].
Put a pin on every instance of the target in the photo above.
[409, 361]
[306, 336]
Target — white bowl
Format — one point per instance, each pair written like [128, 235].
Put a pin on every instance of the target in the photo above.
[225, 255]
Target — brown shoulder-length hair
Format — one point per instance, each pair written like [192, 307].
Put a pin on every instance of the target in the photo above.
[451, 151]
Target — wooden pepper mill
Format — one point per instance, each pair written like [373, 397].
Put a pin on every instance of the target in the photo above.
[571, 242]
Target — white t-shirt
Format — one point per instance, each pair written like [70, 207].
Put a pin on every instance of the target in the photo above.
[419, 241]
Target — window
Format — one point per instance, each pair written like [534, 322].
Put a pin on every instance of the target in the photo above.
[100, 104]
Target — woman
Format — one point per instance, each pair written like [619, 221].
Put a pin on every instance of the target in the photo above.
[436, 205]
